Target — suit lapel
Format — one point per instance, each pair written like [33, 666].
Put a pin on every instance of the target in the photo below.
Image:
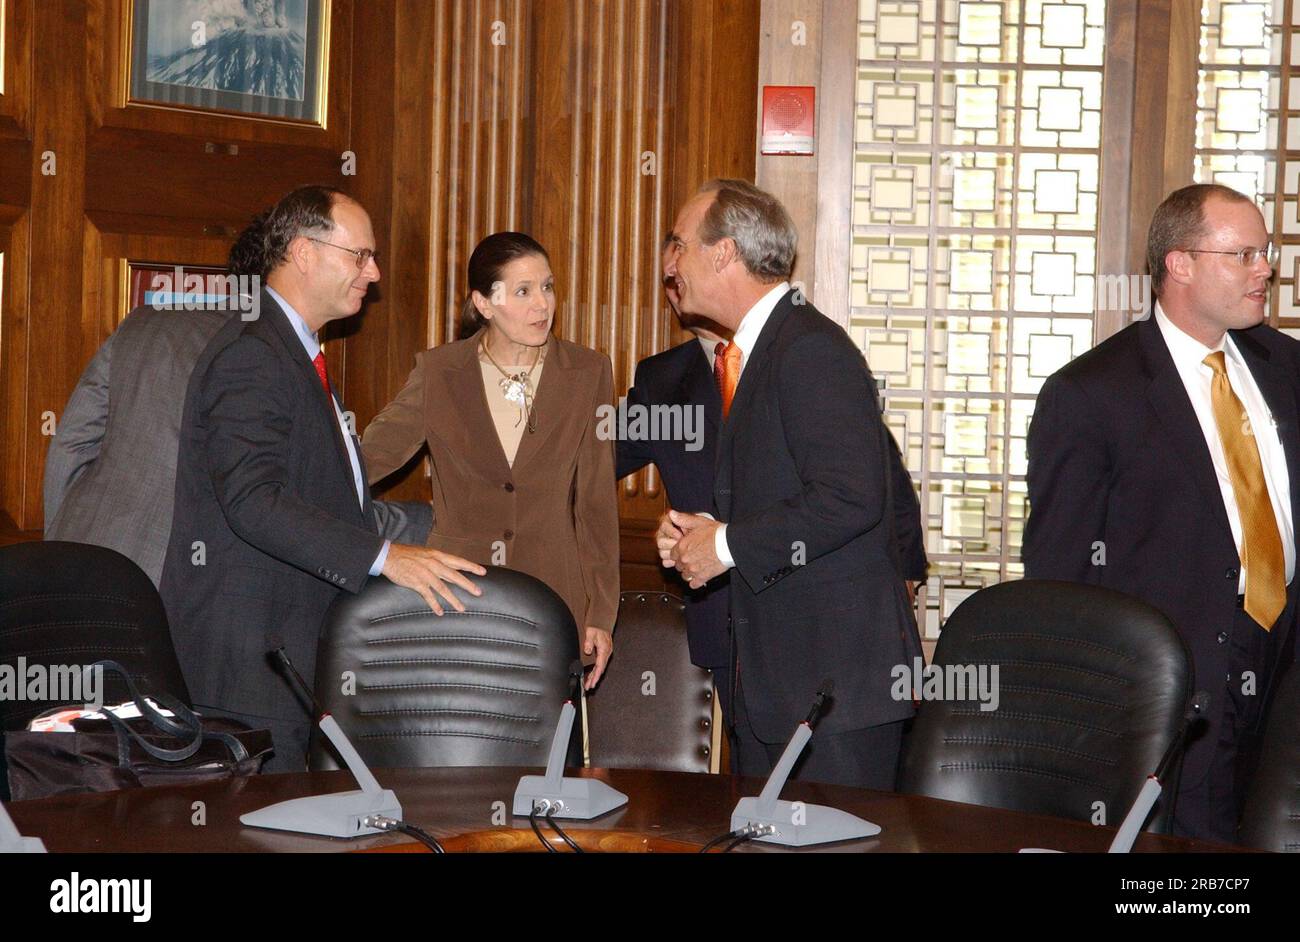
[745, 392]
[1279, 392]
[698, 387]
[465, 380]
[555, 387]
[750, 369]
[1168, 397]
[307, 375]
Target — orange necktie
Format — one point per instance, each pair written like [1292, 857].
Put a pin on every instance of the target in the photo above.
[1261, 543]
[726, 370]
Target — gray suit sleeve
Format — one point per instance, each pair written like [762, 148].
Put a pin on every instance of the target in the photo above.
[403, 521]
[79, 432]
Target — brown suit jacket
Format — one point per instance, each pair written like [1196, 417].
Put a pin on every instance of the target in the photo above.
[554, 515]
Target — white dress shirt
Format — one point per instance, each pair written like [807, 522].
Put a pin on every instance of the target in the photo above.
[1188, 354]
[745, 337]
[311, 344]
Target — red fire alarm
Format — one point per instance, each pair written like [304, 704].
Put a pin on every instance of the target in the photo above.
[788, 113]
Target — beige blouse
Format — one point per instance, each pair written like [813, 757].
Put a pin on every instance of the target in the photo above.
[507, 416]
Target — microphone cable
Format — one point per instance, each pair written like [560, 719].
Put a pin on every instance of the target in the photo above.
[532, 820]
[740, 840]
[737, 837]
[550, 819]
[410, 830]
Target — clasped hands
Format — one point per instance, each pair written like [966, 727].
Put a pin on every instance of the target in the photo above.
[686, 543]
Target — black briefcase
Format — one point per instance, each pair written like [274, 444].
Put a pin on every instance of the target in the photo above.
[152, 749]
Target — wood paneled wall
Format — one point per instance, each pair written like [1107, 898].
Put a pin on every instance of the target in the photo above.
[583, 122]
[87, 183]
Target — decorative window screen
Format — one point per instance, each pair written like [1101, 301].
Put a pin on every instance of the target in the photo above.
[1248, 123]
[978, 132]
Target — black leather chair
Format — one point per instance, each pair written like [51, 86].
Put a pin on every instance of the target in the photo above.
[73, 603]
[654, 708]
[1092, 687]
[1271, 820]
[64, 604]
[478, 688]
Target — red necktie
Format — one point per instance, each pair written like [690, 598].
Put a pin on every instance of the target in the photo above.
[319, 363]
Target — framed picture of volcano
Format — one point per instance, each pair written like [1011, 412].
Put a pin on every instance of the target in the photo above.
[255, 58]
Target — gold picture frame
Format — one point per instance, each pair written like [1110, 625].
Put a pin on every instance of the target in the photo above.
[271, 65]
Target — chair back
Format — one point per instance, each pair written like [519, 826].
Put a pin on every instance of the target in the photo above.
[1090, 687]
[474, 688]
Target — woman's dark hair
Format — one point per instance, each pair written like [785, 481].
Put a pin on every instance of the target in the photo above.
[485, 265]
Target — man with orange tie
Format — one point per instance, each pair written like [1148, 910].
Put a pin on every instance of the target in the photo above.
[1163, 463]
[690, 376]
[800, 499]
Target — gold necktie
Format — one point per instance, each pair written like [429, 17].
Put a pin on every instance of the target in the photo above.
[1261, 544]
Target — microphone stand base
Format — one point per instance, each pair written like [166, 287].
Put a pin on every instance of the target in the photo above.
[796, 824]
[578, 798]
[337, 815]
[22, 845]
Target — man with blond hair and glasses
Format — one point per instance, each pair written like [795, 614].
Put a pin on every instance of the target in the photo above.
[1163, 463]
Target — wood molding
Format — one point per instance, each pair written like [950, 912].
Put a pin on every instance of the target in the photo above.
[15, 362]
[1114, 223]
[792, 52]
[16, 98]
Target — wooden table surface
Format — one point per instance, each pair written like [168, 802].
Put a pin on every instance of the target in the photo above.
[465, 808]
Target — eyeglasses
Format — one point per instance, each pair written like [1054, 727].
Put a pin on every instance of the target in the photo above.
[1247, 256]
[363, 255]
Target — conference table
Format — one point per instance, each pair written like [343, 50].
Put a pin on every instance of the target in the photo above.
[468, 809]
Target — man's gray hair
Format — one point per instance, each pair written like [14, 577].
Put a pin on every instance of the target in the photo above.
[756, 221]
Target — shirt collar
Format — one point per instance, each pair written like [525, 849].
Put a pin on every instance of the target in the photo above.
[751, 325]
[710, 347]
[1186, 350]
[308, 338]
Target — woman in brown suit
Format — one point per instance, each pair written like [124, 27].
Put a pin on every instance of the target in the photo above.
[520, 477]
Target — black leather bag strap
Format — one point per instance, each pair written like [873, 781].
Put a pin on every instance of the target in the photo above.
[184, 725]
[237, 750]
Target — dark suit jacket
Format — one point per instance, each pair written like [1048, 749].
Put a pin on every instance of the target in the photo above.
[682, 376]
[1117, 457]
[110, 472]
[264, 483]
[802, 481]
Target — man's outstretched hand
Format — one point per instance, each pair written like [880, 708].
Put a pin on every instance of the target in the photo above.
[428, 571]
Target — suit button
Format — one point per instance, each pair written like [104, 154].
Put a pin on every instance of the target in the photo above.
[1223, 637]
[509, 534]
[343, 580]
[509, 487]
[1232, 574]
